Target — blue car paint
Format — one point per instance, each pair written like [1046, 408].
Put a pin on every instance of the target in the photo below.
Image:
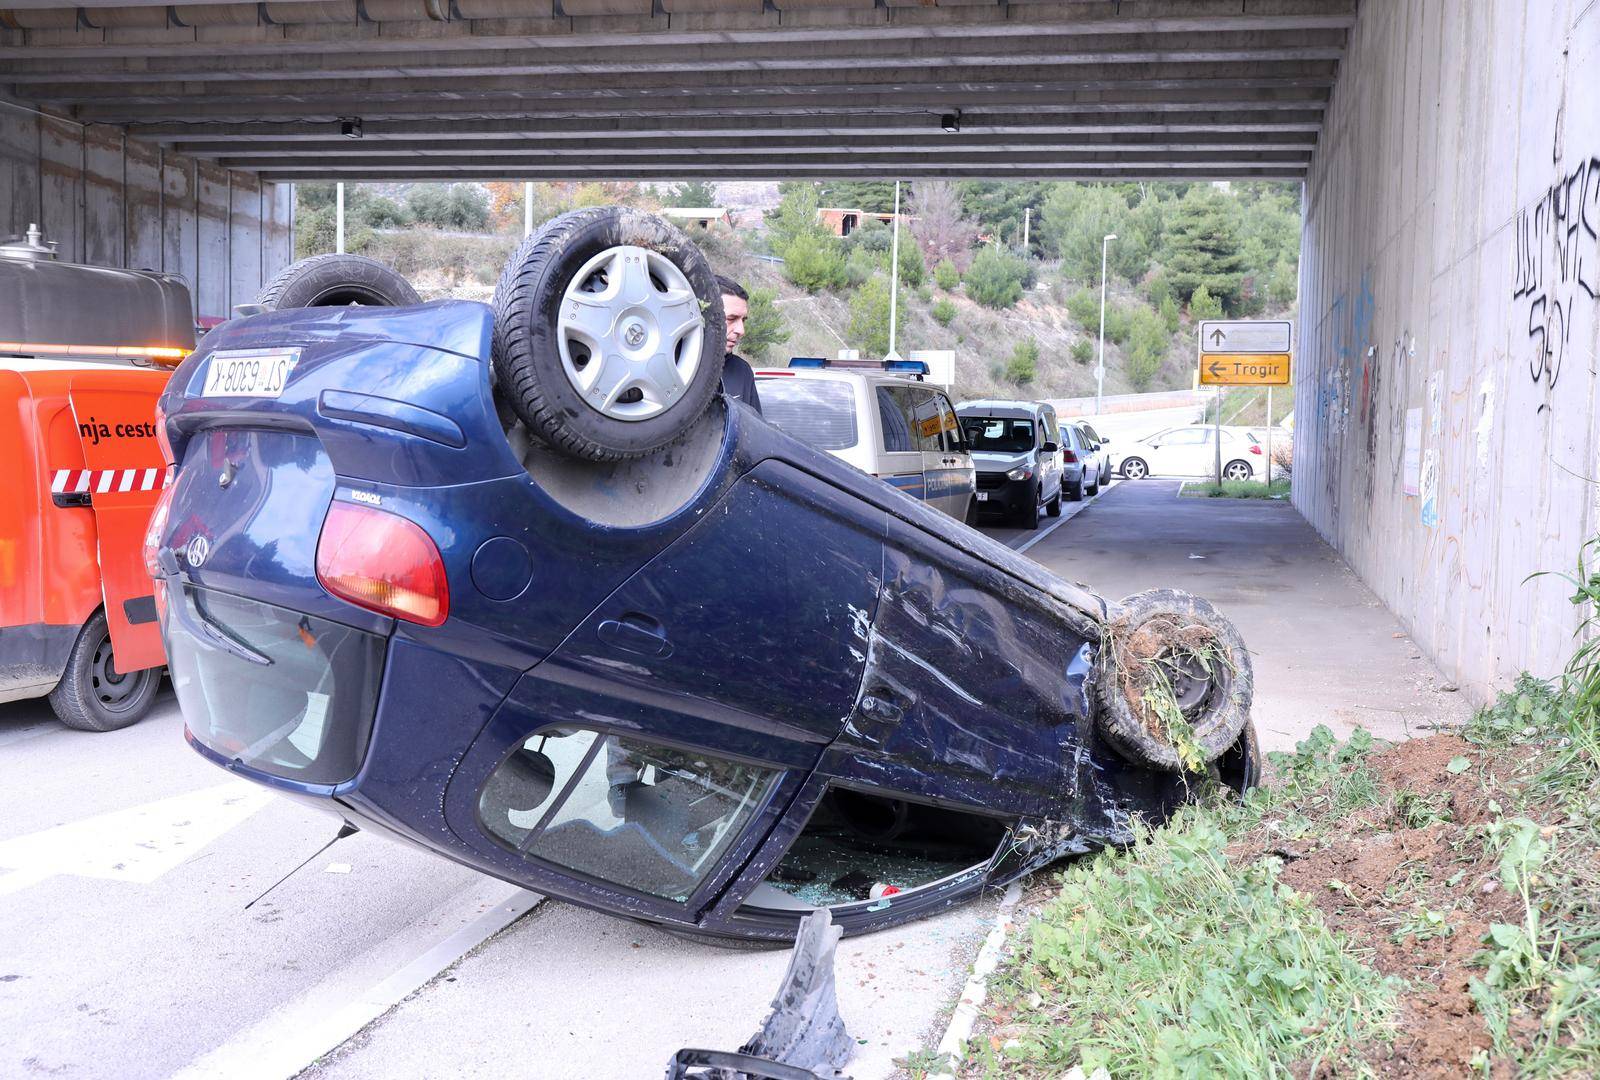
[794, 614]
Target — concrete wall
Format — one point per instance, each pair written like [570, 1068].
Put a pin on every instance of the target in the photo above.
[1452, 266]
[119, 202]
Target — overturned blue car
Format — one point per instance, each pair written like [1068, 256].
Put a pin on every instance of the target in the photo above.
[516, 584]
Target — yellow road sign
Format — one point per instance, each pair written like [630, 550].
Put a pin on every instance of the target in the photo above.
[1244, 369]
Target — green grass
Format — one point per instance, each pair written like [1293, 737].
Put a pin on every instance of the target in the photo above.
[1237, 489]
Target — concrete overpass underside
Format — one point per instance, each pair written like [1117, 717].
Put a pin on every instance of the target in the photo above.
[716, 89]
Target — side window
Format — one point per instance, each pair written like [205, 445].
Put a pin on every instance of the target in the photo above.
[951, 439]
[1185, 437]
[645, 817]
[1051, 432]
[923, 416]
[894, 415]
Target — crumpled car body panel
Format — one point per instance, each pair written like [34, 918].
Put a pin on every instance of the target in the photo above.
[642, 719]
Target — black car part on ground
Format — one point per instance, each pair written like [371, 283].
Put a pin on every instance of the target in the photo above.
[803, 1038]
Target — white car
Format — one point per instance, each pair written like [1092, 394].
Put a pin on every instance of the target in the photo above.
[1191, 452]
[880, 417]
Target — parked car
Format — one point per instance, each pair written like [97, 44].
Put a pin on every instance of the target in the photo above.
[1191, 451]
[1099, 453]
[85, 351]
[1016, 447]
[880, 417]
[513, 584]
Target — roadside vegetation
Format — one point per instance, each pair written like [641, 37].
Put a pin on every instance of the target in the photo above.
[1430, 908]
[1237, 489]
[973, 279]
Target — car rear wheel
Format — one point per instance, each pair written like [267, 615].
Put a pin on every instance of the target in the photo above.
[1135, 469]
[1075, 491]
[92, 694]
[608, 336]
[337, 281]
[1238, 470]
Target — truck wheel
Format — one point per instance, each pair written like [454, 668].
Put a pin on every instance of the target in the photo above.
[608, 334]
[1173, 681]
[337, 281]
[92, 694]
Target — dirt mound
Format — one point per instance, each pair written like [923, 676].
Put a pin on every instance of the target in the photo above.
[1400, 880]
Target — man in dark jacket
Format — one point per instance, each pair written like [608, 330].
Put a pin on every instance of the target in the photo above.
[738, 381]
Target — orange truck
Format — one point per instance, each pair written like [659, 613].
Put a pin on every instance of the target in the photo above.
[84, 353]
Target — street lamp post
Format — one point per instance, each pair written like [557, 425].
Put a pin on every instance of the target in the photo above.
[1100, 372]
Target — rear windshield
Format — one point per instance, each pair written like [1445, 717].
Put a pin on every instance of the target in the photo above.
[818, 412]
[998, 435]
[288, 694]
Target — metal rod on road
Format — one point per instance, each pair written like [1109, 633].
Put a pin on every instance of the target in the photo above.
[1100, 372]
[338, 218]
[527, 208]
[894, 269]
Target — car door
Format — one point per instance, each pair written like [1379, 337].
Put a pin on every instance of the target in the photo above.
[1179, 453]
[1050, 462]
[900, 458]
[952, 479]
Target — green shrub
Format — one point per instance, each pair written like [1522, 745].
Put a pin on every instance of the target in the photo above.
[946, 276]
[924, 292]
[1202, 305]
[1083, 350]
[943, 311]
[1146, 348]
[814, 262]
[1084, 307]
[869, 317]
[995, 278]
[764, 327]
[1169, 313]
[913, 271]
[1024, 365]
[860, 265]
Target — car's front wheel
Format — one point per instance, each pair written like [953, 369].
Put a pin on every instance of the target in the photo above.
[1028, 513]
[1053, 507]
[92, 694]
[1135, 469]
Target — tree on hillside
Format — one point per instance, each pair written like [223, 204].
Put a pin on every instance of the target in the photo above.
[795, 215]
[1024, 364]
[1075, 220]
[1202, 305]
[873, 196]
[995, 278]
[505, 205]
[691, 193]
[869, 317]
[764, 327]
[940, 225]
[449, 206]
[1203, 245]
[998, 205]
[813, 260]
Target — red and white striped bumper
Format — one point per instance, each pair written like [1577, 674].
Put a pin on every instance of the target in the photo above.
[85, 482]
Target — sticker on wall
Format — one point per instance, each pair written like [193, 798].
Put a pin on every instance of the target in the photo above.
[1485, 421]
[1435, 402]
[1411, 481]
[1430, 488]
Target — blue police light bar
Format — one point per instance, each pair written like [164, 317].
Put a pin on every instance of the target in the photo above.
[910, 367]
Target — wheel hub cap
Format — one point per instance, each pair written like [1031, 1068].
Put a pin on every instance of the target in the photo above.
[630, 329]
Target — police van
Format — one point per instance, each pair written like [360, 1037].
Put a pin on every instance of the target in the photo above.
[85, 351]
[883, 417]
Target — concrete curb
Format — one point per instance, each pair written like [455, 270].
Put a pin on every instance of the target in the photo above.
[954, 1044]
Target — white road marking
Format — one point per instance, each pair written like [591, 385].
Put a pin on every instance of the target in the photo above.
[138, 844]
[1067, 515]
[319, 1021]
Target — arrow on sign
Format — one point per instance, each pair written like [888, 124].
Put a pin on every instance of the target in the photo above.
[1217, 338]
[1217, 370]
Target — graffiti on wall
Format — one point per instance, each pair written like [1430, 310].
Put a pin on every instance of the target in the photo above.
[1557, 276]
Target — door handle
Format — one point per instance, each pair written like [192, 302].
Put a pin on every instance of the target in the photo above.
[636, 632]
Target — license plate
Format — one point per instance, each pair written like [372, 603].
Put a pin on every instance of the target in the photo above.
[983, 496]
[249, 373]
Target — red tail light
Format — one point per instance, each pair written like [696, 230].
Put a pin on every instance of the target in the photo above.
[1069, 456]
[157, 526]
[384, 563]
[1255, 448]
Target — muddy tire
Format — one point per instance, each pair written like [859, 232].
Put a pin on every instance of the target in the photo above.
[92, 694]
[1215, 703]
[608, 334]
[337, 281]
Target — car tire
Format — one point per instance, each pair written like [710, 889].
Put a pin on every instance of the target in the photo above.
[1238, 471]
[337, 281]
[92, 695]
[1094, 488]
[1028, 514]
[1135, 469]
[559, 314]
[1053, 507]
[1218, 710]
[1075, 492]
